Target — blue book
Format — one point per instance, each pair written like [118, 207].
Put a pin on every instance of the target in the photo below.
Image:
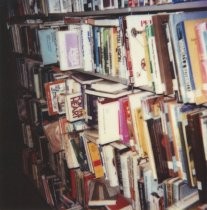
[96, 31]
[48, 47]
[186, 74]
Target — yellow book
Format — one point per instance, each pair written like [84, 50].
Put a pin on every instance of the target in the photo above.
[96, 159]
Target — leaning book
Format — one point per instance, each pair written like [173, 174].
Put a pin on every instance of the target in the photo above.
[101, 193]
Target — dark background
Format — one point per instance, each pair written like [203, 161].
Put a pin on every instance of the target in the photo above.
[16, 191]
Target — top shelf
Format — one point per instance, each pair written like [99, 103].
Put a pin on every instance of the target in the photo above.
[176, 7]
[185, 6]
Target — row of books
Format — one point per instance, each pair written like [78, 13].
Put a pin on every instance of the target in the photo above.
[116, 164]
[23, 7]
[154, 126]
[145, 50]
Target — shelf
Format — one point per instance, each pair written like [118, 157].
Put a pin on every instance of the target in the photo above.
[184, 6]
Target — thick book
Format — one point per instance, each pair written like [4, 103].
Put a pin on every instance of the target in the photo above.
[47, 40]
[69, 49]
[101, 193]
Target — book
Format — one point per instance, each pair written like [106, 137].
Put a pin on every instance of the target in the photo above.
[101, 193]
[114, 95]
[69, 49]
[135, 25]
[125, 128]
[109, 161]
[198, 153]
[108, 121]
[87, 46]
[96, 159]
[47, 40]
[74, 107]
[85, 79]
[186, 75]
[53, 6]
[52, 132]
[122, 203]
[153, 57]
[108, 86]
[55, 91]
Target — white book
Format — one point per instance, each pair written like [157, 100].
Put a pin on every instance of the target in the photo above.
[135, 27]
[53, 6]
[108, 122]
[87, 40]
[69, 50]
[65, 6]
[108, 155]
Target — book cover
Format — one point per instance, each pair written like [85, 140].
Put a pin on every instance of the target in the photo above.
[135, 111]
[54, 90]
[153, 57]
[125, 132]
[69, 49]
[108, 121]
[53, 6]
[135, 25]
[52, 132]
[87, 45]
[96, 159]
[101, 193]
[109, 161]
[74, 107]
[47, 40]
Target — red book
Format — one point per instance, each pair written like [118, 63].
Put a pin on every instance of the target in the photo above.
[121, 203]
[54, 90]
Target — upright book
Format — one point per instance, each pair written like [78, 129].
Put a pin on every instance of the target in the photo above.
[69, 49]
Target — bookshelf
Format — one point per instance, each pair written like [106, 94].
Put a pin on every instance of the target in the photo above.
[119, 116]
